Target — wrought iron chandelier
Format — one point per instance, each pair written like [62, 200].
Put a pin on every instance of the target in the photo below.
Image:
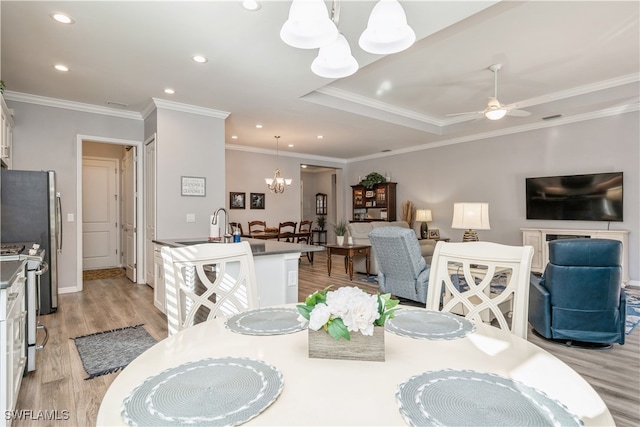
[277, 184]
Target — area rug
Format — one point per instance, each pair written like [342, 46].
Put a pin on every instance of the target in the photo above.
[633, 312]
[106, 273]
[110, 351]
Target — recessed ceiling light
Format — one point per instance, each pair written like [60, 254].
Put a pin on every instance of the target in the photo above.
[61, 67]
[234, 136]
[303, 166]
[320, 136]
[251, 5]
[62, 18]
[290, 145]
[169, 91]
[199, 59]
[259, 126]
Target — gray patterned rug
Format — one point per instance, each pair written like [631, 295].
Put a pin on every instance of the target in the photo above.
[110, 351]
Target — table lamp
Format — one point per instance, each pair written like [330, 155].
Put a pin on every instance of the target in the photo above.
[424, 215]
[470, 217]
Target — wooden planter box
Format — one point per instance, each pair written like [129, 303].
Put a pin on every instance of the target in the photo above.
[360, 347]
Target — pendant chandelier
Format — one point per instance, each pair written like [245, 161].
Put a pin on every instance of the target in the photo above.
[277, 184]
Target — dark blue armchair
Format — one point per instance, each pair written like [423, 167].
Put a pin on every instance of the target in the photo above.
[579, 297]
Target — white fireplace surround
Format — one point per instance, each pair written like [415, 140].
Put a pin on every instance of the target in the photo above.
[537, 237]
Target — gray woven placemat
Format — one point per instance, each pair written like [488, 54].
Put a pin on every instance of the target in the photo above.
[431, 325]
[223, 391]
[266, 321]
[469, 398]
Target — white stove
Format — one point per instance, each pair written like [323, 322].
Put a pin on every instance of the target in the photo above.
[36, 266]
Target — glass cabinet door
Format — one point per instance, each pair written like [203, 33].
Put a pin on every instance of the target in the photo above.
[321, 204]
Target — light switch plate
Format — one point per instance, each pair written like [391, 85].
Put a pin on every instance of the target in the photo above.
[191, 217]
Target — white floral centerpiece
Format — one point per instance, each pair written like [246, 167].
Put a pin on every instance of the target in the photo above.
[345, 310]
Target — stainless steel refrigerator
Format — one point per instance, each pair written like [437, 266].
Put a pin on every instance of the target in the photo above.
[31, 212]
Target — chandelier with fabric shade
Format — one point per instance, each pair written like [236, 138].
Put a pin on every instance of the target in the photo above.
[277, 184]
[470, 217]
[310, 27]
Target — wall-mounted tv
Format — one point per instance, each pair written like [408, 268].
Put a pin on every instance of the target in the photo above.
[592, 197]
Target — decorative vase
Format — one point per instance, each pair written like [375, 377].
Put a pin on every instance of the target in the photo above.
[340, 240]
[360, 347]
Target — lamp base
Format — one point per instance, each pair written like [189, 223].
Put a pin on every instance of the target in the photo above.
[424, 231]
[470, 236]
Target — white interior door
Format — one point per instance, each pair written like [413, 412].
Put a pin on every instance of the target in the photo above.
[129, 203]
[100, 213]
[150, 208]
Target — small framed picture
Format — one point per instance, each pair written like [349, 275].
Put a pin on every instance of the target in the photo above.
[369, 193]
[236, 200]
[257, 200]
[193, 186]
[434, 233]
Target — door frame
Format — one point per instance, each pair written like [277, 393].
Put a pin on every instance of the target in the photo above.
[139, 207]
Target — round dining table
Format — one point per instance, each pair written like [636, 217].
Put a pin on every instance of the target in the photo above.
[331, 392]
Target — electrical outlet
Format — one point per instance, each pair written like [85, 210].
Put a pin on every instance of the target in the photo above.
[191, 217]
[293, 278]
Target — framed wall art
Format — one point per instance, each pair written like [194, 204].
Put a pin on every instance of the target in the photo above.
[257, 201]
[236, 200]
[434, 233]
[193, 186]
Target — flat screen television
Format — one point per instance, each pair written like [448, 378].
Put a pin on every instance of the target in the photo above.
[592, 197]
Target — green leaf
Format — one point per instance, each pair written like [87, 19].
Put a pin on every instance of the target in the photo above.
[338, 330]
[304, 310]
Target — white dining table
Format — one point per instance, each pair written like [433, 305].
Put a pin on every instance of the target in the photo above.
[327, 392]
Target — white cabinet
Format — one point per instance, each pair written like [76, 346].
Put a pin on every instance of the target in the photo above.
[539, 238]
[159, 298]
[6, 135]
[12, 337]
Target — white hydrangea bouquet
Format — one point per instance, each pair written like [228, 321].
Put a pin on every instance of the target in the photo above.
[347, 309]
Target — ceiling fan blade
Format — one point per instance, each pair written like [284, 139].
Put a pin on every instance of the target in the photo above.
[518, 113]
[468, 113]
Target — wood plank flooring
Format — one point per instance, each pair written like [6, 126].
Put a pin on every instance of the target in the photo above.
[59, 384]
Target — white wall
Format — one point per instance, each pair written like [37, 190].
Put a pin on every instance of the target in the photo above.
[45, 139]
[494, 170]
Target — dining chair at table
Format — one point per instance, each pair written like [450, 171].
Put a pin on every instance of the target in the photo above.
[233, 225]
[480, 264]
[305, 236]
[257, 226]
[206, 280]
[287, 231]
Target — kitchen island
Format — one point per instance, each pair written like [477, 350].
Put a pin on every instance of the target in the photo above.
[276, 265]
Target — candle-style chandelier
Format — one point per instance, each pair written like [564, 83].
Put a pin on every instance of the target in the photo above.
[277, 184]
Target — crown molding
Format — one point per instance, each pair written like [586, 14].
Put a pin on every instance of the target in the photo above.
[257, 150]
[186, 108]
[70, 105]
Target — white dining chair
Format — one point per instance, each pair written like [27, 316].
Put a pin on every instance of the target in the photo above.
[205, 280]
[479, 264]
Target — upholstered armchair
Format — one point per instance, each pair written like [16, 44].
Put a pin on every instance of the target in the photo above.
[402, 271]
[579, 297]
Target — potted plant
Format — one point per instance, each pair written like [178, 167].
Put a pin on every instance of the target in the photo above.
[372, 179]
[321, 221]
[340, 228]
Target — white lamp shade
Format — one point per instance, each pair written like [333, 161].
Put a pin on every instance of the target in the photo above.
[309, 25]
[494, 110]
[423, 215]
[387, 31]
[471, 216]
[335, 60]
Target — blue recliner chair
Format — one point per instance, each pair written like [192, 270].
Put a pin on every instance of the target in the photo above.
[402, 271]
[579, 297]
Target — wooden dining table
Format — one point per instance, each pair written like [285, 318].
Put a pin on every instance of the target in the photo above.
[328, 392]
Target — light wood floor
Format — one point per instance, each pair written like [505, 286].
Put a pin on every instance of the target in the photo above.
[58, 384]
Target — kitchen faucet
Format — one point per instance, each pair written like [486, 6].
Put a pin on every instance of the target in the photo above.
[227, 236]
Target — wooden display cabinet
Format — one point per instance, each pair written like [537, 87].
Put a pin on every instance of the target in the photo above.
[374, 204]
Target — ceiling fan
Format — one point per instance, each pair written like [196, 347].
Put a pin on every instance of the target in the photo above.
[495, 110]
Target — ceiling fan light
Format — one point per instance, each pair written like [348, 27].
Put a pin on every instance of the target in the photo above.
[495, 113]
[387, 30]
[335, 60]
[309, 25]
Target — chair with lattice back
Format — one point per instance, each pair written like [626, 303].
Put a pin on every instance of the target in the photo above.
[461, 279]
[203, 281]
[305, 236]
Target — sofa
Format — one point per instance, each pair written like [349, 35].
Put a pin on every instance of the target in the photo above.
[359, 231]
